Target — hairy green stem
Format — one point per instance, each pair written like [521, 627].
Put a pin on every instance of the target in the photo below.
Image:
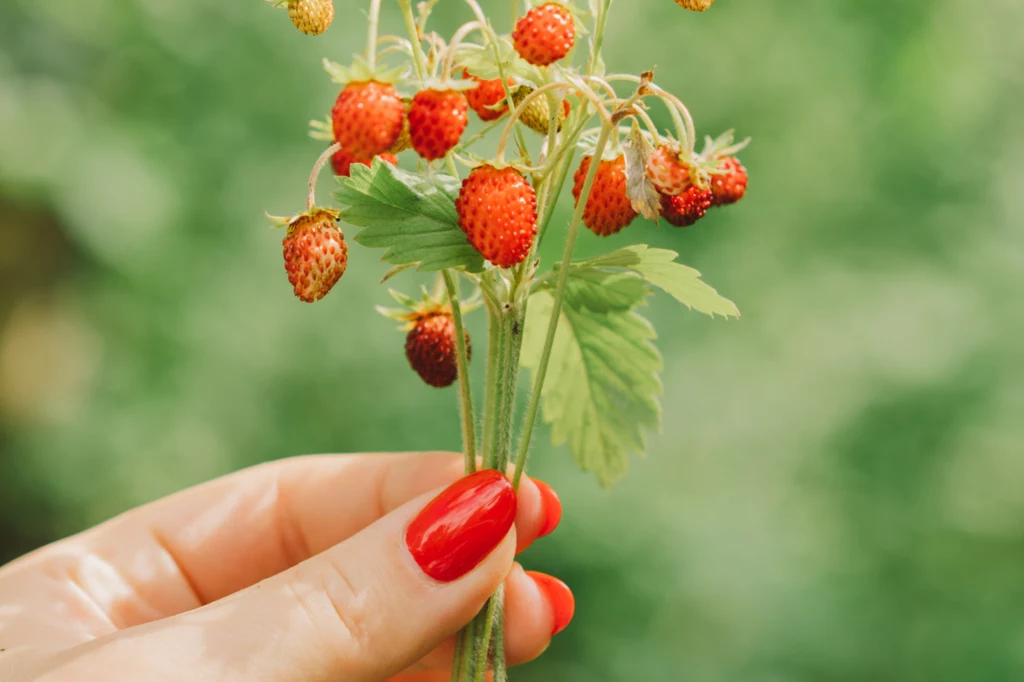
[556, 311]
[462, 361]
[602, 17]
[494, 354]
[490, 611]
[373, 24]
[414, 38]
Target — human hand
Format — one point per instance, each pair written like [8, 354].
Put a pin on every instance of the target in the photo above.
[308, 569]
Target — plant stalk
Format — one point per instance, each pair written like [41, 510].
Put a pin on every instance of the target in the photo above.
[414, 37]
[556, 311]
[462, 361]
[371, 34]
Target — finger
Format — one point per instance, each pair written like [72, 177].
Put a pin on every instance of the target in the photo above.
[363, 611]
[211, 541]
[533, 614]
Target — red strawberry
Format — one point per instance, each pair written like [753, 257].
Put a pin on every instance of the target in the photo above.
[695, 5]
[436, 121]
[687, 208]
[485, 95]
[730, 186]
[498, 212]
[315, 254]
[545, 34]
[343, 160]
[431, 348]
[367, 118]
[312, 17]
[608, 208]
[667, 171]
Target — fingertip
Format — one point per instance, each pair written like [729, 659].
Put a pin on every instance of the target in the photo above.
[559, 597]
[552, 507]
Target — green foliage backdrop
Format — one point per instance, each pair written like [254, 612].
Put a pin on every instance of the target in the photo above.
[837, 490]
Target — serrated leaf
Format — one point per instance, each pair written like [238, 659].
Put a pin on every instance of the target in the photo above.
[658, 267]
[639, 188]
[410, 215]
[602, 384]
[602, 290]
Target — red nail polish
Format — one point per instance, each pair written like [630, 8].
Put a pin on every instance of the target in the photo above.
[563, 604]
[462, 525]
[552, 508]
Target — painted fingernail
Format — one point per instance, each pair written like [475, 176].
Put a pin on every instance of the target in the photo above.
[563, 604]
[462, 525]
[552, 508]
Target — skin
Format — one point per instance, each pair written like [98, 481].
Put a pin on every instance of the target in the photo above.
[294, 571]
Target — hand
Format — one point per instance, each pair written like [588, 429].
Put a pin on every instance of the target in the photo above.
[303, 570]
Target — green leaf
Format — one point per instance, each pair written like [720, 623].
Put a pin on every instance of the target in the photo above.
[410, 215]
[658, 267]
[600, 394]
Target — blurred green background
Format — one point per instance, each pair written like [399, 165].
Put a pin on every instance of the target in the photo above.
[838, 491]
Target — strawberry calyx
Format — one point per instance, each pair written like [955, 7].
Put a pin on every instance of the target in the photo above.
[314, 212]
[360, 71]
[428, 305]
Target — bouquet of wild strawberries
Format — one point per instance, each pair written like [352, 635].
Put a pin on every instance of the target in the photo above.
[574, 324]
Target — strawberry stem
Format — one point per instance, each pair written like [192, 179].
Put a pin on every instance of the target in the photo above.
[315, 174]
[414, 37]
[462, 362]
[556, 311]
[371, 35]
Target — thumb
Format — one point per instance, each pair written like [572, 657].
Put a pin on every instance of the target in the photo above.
[364, 610]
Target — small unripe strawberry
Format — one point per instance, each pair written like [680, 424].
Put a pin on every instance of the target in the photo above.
[342, 162]
[315, 254]
[686, 208]
[608, 208]
[695, 5]
[730, 186]
[437, 119]
[498, 212]
[668, 172]
[545, 34]
[432, 350]
[312, 17]
[487, 94]
[537, 115]
[367, 118]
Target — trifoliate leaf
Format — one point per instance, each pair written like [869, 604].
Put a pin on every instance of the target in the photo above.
[639, 188]
[600, 394]
[410, 215]
[658, 267]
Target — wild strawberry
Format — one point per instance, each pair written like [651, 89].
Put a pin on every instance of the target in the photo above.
[312, 17]
[667, 170]
[436, 121]
[608, 209]
[537, 115]
[498, 212]
[342, 162]
[687, 208]
[730, 186]
[367, 118]
[431, 348]
[315, 254]
[695, 5]
[485, 95]
[545, 34]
